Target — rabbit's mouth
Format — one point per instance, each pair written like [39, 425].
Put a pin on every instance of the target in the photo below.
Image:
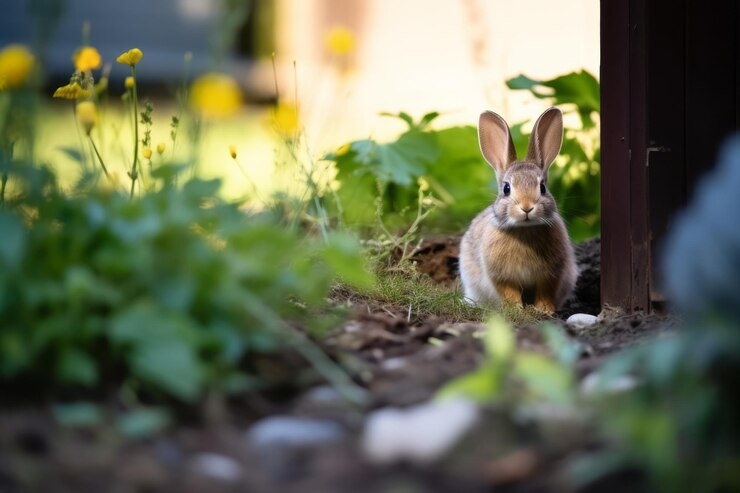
[527, 220]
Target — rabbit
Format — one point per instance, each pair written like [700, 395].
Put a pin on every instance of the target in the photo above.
[519, 245]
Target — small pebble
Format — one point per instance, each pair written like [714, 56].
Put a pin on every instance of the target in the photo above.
[419, 434]
[289, 431]
[581, 320]
[217, 466]
[593, 384]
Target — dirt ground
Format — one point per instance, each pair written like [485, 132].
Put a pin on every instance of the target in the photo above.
[400, 361]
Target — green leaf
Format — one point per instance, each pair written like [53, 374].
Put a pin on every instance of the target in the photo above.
[172, 366]
[77, 368]
[481, 385]
[427, 119]
[343, 255]
[143, 423]
[13, 243]
[404, 160]
[499, 339]
[544, 378]
[578, 88]
[162, 349]
[566, 351]
[78, 414]
[73, 154]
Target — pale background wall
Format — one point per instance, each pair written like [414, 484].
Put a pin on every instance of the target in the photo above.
[451, 56]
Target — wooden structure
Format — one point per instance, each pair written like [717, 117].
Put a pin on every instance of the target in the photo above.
[670, 94]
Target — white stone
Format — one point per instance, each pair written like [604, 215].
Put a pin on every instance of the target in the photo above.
[581, 320]
[217, 466]
[289, 431]
[419, 434]
[593, 384]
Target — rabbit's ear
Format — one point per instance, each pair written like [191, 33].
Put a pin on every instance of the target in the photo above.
[495, 142]
[546, 138]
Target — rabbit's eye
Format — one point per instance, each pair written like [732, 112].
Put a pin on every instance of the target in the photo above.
[543, 190]
[507, 188]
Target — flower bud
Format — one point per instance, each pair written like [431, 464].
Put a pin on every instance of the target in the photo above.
[87, 115]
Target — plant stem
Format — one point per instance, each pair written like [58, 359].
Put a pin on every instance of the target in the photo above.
[97, 153]
[136, 131]
[336, 376]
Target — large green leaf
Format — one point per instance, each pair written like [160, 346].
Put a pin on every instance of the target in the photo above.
[578, 88]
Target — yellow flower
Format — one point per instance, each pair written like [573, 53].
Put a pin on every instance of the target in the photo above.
[232, 151]
[160, 148]
[87, 58]
[147, 153]
[130, 57]
[343, 150]
[71, 91]
[285, 119]
[129, 82]
[87, 115]
[215, 96]
[16, 64]
[340, 41]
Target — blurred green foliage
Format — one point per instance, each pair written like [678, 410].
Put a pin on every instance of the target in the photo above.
[174, 290]
[447, 164]
[575, 177]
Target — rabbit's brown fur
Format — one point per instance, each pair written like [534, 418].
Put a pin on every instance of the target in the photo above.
[519, 243]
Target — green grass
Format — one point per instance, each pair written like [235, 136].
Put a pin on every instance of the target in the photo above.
[404, 289]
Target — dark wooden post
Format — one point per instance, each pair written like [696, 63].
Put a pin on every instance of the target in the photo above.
[670, 94]
[624, 249]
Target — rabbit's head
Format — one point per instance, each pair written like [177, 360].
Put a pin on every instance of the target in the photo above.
[523, 197]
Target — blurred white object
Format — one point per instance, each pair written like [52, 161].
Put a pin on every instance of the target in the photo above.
[581, 320]
[419, 434]
[217, 466]
[594, 384]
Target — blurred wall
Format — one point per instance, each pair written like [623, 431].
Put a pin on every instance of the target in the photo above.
[451, 56]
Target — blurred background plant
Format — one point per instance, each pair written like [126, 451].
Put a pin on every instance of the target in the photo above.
[164, 290]
[446, 168]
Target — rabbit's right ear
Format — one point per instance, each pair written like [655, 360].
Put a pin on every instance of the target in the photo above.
[495, 142]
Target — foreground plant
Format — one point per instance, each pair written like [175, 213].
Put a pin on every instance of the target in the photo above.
[172, 297]
[131, 58]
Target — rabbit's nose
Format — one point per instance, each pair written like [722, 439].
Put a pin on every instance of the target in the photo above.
[527, 211]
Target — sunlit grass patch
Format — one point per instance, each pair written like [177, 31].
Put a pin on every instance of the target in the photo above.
[405, 289]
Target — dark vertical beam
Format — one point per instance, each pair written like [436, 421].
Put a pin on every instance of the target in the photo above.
[616, 259]
[711, 85]
[666, 141]
[639, 199]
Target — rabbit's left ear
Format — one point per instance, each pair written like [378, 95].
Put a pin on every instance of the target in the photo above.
[546, 138]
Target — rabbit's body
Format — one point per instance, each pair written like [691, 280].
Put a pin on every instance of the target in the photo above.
[519, 244]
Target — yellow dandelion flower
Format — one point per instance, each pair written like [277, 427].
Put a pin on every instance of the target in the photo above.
[340, 41]
[160, 148]
[130, 57]
[87, 58]
[285, 119]
[87, 115]
[232, 151]
[215, 96]
[147, 153]
[128, 82]
[71, 91]
[343, 150]
[16, 64]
